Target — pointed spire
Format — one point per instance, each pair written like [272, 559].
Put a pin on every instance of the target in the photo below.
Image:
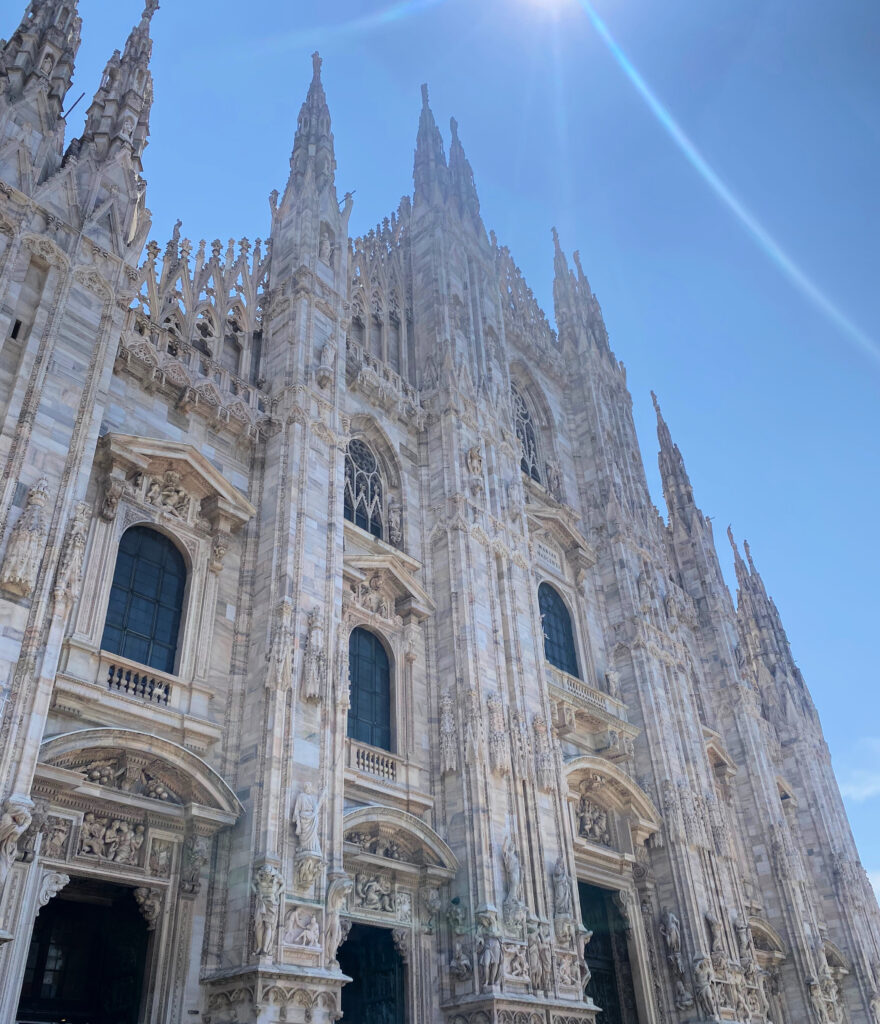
[119, 115]
[677, 488]
[430, 173]
[313, 160]
[40, 53]
[461, 177]
[742, 574]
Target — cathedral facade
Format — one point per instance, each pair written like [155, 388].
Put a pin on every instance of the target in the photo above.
[347, 669]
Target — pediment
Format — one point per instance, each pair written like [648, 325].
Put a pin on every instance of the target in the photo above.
[381, 834]
[152, 458]
[559, 522]
[383, 582]
[612, 787]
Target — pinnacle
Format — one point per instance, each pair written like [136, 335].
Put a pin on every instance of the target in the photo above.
[317, 61]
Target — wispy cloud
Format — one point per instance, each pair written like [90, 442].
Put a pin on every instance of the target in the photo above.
[863, 783]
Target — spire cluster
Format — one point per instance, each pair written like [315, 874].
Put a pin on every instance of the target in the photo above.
[578, 313]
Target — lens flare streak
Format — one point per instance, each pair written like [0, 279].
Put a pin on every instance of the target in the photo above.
[760, 234]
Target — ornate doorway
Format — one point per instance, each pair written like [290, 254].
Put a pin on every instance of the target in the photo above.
[87, 957]
[375, 995]
[610, 986]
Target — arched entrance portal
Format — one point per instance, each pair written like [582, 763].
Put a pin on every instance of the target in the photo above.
[87, 957]
[610, 986]
[375, 995]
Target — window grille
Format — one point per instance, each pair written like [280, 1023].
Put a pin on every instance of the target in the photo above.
[525, 432]
[369, 714]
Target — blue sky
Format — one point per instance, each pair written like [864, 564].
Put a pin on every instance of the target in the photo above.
[773, 404]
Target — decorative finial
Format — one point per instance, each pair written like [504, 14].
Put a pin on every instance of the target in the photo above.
[657, 409]
[150, 8]
[425, 94]
[453, 127]
[555, 234]
[316, 65]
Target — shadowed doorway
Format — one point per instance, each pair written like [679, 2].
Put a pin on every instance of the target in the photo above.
[375, 995]
[86, 959]
[610, 986]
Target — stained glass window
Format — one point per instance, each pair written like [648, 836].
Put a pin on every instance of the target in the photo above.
[525, 432]
[363, 488]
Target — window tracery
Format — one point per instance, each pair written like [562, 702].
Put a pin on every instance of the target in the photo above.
[525, 433]
[363, 488]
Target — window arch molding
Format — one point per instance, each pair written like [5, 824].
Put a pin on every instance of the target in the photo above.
[559, 634]
[372, 712]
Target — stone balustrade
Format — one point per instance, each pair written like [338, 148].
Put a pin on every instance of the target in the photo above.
[585, 695]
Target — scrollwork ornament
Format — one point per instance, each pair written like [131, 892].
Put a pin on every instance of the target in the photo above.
[51, 884]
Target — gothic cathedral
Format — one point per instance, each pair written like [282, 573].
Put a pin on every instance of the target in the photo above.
[347, 670]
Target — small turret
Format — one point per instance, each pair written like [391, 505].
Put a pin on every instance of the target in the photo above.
[430, 173]
[40, 55]
[119, 115]
[677, 488]
[313, 162]
[461, 179]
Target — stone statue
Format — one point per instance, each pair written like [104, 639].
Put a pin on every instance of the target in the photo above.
[267, 886]
[715, 931]
[68, 579]
[670, 929]
[562, 905]
[315, 659]
[488, 948]
[460, 964]
[150, 903]
[704, 992]
[448, 739]
[513, 870]
[26, 543]
[305, 816]
[337, 893]
[14, 820]
[280, 656]
[195, 857]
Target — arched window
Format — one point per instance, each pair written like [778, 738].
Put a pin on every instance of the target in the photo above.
[369, 715]
[146, 599]
[363, 488]
[525, 433]
[558, 635]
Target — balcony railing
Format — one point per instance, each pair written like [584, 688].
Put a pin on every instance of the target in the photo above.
[584, 693]
[136, 681]
[379, 764]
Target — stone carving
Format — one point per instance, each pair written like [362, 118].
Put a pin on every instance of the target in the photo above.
[514, 908]
[585, 973]
[499, 757]
[168, 495]
[488, 948]
[592, 819]
[744, 943]
[161, 855]
[395, 523]
[516, 965]
[369, 596]
[219, 546]
[460, 965]
[704, 992]
[817, 1000]
[473, 727]
[267, 886]
[539, 957]
[114, 489]
[562, 902]
[432, 902]
[68, 579]
[474, 463]
[403, 906]
[26, 543]
[280, 655]
[670, 929]
[110, 839]
[448, 738]
[544, 765]
[306, 812]
[456, 915]
[302, 928]
[149, 902]
[55, 838]
[334, 930]
[717, 945]
[195, 857]
[314, 660]
[554, 480]
[401, 942]
[51, 884]
[374, 892]
[612, 684]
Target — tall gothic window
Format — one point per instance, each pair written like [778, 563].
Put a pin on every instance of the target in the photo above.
[363, 488]
[558, 635]
[369, 714]
[146, 599]
[525, 433]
